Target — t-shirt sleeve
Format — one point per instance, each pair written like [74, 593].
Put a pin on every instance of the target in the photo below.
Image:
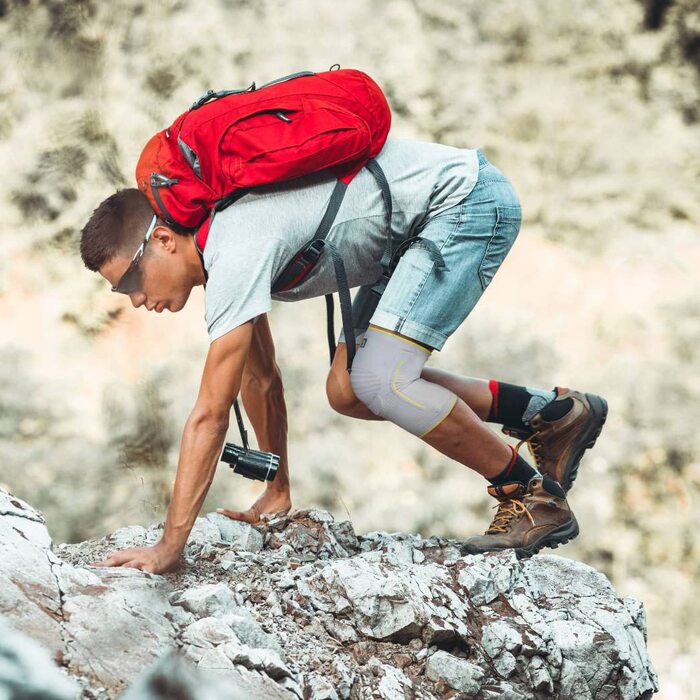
[240, 280]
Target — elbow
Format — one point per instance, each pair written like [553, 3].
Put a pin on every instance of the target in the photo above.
[214, 421]
[274, 385]
[265, 385]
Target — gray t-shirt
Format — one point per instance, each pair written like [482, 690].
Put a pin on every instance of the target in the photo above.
[251, 241]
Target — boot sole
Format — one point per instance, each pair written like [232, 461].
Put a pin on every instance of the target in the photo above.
[561, 535]
[599, 410]
[553, 539]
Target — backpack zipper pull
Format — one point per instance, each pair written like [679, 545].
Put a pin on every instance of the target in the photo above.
[283, 117]
[158, 180]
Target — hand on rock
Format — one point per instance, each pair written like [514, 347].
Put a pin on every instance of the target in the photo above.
[155, 559]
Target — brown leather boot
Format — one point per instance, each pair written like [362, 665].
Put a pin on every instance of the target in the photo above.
[557, 446]
[528, 518]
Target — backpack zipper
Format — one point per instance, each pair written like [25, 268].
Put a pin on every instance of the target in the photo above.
[287, 77]
[158, 180]
[213, 95]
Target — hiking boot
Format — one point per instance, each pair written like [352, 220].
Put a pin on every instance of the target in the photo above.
[557, 445]
[528, 518]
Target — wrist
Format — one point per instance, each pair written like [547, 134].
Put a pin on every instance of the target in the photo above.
[172, 547]
[278, 485]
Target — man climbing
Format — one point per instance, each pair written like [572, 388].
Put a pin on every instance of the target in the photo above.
[468, 216]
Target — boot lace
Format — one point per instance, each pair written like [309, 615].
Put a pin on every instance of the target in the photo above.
[507, 510]
[535, 446]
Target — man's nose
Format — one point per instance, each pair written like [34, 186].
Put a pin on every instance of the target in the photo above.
[138, 299]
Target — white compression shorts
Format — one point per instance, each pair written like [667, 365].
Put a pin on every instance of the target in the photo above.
[386, 377]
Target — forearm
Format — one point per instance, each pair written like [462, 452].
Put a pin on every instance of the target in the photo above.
[266, 408]
[202, 442]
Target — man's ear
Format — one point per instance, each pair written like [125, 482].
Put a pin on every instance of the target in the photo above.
[165, 238]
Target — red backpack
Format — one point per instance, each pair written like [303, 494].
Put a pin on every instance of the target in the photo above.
[232, 141]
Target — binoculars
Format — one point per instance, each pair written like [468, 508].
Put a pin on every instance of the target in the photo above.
[253, 464]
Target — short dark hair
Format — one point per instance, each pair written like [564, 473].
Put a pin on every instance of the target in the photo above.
[116, 227]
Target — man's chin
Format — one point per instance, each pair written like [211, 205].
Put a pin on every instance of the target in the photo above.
[178, 304]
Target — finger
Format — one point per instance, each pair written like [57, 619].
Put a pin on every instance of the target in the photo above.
[117, 558]
[111, 560]
[133, 564]
[248, 516]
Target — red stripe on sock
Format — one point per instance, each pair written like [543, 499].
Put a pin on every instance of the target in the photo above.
[493, 388]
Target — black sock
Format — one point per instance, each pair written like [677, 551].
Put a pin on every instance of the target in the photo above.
[514, 406]
[554, 487]
[516, 470]
[555, 410]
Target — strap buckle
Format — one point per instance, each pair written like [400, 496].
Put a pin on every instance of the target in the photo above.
[379, 287]
[313, 251]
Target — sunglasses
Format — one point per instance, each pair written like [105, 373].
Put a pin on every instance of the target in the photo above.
[130, 281]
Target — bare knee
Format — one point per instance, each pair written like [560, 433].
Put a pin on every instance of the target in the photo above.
[339, 391]
[341, 396]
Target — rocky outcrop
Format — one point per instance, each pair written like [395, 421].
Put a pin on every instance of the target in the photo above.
[26, 670]
[302, 607]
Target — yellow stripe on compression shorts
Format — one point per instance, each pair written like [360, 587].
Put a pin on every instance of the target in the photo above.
[435, 425]
[400, 337]
[398, 391]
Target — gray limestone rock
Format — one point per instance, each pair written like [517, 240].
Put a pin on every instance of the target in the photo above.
[204, 532]
[132, 536]
[393, 682]
[388, 598]
[114, 613]
[27, 671]
[458, 673]
[172, 676]
[319, 688]
[29, 593]
[301, 607]
[314, 532]
[208, 632]
[207, 600]
[249, 631]
[237, 534]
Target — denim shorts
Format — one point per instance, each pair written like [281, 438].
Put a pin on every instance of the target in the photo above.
[427, 303]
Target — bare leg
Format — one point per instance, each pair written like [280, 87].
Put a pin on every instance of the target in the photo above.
[473, 391]
[464, 437]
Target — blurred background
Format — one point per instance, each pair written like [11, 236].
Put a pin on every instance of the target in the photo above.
[591, 107]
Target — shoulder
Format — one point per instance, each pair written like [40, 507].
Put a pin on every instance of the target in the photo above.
[410, 157]
[237, 232]
[410, 147]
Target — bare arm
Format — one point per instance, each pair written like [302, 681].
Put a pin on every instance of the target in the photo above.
[262, 393]
[205, 431]
[202, 442]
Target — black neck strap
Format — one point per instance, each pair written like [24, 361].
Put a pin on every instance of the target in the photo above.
[201, 260]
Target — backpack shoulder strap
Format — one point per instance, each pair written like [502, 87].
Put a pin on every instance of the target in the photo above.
[386, 260]
[308, 257]
[343, 291]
